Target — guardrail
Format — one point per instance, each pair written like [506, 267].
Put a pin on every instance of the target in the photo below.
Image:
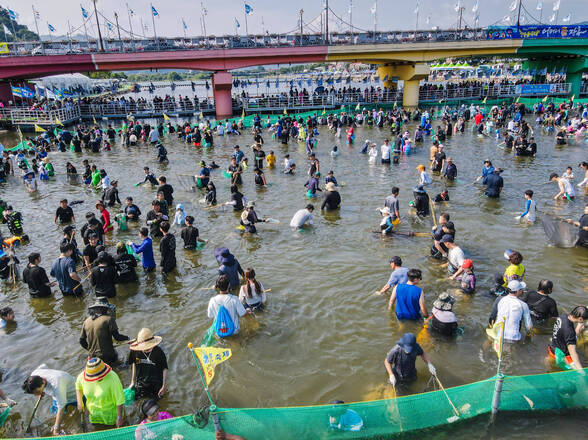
[26, 116]
[495, 91]
[147, 109]
[63, 47]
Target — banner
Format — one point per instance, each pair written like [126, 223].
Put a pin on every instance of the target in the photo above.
[22, 92]
[209, 358]
[3, 47]
[535, 89]
[533, 32]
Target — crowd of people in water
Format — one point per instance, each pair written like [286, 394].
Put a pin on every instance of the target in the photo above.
[84, 258]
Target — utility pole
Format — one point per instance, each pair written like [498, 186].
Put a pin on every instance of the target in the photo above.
[69, 33]
[301, 24]
[202, 15]
[461, 9]
[519, 14]
[35, 14]
[245, 12]
[98, 27]
[327, 22]
[131, 26]
[375, 13]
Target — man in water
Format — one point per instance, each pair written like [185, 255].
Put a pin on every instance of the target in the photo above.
[146, 249]
[511, 310]
[566, 189]
[64, 270]
[392, 204]
[583, 225]
[399, 275]
[302, 217]
[332, 200]
[401, 359]
[565, 332]
[494, 184]
[167, 248]
[409, 298]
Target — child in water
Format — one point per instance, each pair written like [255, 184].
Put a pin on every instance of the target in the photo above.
[530, 208]
[468, 279]
[335, 152]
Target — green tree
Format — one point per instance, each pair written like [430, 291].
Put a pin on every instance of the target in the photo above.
[22, 32]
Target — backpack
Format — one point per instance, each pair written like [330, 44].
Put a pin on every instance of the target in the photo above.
[223, 325]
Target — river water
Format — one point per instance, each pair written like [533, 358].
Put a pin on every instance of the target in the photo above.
[322, 336]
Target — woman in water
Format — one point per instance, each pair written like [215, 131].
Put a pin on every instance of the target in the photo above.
[252, 294]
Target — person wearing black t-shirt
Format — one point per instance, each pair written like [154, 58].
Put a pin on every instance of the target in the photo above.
[69, 233]
[565, 332]
[167, 190]
[104, 277]
[90, 253]
[236, 198]
[36, 277]
[583, 225]
[149, 366]
[541, 305]
[132, 211]
[190, 234]
[64, 213]
[167, 247]
[124, 264]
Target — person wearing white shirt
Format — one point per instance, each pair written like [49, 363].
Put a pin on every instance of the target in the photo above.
[385, 149]
[455, 255]
[154, 135]
[252, 294]
[229, 301]
[511, 311]
[302, 217]
[373, 153]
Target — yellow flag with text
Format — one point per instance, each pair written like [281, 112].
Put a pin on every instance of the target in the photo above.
[3, 47]
[243, 114]
[209, 358]
[58, 122]
[496, 332]
[39, 129]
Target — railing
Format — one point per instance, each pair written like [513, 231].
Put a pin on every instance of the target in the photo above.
[143, 109]
[584, 89]
[26, 116]
[494, 91]
[234, 42]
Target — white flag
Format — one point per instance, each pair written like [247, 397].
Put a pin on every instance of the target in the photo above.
[6, 31]
[513, 5]
[416, 9]
[506, 18]
[567, 18]
[428, 19]
[539, 5]
[374, 8]
[552, 18]
[457, 6]
[475, 8]
[556, 5]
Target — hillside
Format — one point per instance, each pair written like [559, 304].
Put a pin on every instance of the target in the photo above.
[22, 32]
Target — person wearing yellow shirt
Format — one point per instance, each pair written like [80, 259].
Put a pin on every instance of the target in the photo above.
[516, 270]
[271, 159]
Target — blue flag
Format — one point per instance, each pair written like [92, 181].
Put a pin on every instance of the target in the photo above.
[184, 23]
[109, 26]
[84, 12]
[248, 9]
[154, 11]
[13, 15]
[237, 23]
[51, 28]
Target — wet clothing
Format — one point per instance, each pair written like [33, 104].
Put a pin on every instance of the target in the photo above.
[237, 199]
[132, 212]
[248, 220]
[14, 222]
[189, 235]
[403, 363]
[392, 203]
[96, 337]
[421, 203]
[151, 179]
[149, 371]
[110, 196]
[124, 265]
[102, 397]
[61, 270]
[398, 276]
[167, 247]
[512, 311]
[64, 215]
[60, 385]
[407, 301]
[541, 307]
[583, 238]
[332, 200]
[231, 303]
[236, 171]
[564, 334]
[146, 249]
[104, 277]
[494, 184]
[154, 219]
[167, 191]
[36, 278]
[444, 322]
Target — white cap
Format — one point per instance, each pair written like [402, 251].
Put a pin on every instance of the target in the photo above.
[515, 286]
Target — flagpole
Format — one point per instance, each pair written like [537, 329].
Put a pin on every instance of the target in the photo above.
[86, 30]
[246, 27]
[118, 30]
[154, 31]
[184, 27]
[14, 38]
[416, 26]
[98, 27]
[131, 26]
[37, 27]
[541, 13]
[69, 33]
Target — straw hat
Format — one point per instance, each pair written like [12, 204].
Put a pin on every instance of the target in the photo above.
[145, 340]
[330, 186]
[95, 370]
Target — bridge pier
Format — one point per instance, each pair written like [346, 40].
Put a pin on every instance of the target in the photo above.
[222, 83]
[411, 74]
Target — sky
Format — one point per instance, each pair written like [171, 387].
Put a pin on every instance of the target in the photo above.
[278, 16]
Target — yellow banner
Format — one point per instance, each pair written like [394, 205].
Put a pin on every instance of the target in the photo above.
[58, 122]
[209, 358]
[496, 333]
[165, 117]
[3, 47]
[39, 129]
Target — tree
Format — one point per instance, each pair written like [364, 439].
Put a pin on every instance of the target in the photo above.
[22, 32]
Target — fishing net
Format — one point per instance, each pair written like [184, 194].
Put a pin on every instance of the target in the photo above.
[560, 233]
[371, 419]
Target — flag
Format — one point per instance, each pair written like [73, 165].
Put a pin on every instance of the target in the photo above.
[243, 114]
[94, 120]
[57, 121]
[374, 8]
[84, 12]
[545, 99]
[573, 97]
[237, 23]
[567, 18]
[457, 6]
[13, 15]
[209, 358]
[3, 47]
[416, 9]
[154, 11]
[357, 107]
[36, 13]
[165, 117]
[552, 18]
[285, 111]
[475, 8]
[201, 115]
[556, 5]
[484, 100]
[184, 23]
[6, 30]
[506, 18]
[518, 97]
[539, 5]
[131, 12]
[248, 9]
[20, 132]
[497, 335]
[51, 28]
[39, 129]
[513, 5]
[428, 19]
[324, 111]
[109, 26]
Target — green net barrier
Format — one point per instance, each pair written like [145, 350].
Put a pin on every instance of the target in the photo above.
[372, 419]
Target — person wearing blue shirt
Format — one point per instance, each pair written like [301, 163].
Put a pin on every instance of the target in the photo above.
[146, 249]
[238, 154]
[494, 184]
[331, 178]
[409, 298]
[64, 270]
[487, 169]
[204, 177]
[399, 275]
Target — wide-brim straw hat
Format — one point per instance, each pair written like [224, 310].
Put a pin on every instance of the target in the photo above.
[145, 340]
[330, 186]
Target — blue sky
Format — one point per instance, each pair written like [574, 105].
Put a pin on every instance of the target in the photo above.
[279, 16]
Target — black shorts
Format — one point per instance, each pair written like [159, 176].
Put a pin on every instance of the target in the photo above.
[385, 160]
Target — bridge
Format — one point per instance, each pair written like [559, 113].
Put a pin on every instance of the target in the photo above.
[399, 55]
